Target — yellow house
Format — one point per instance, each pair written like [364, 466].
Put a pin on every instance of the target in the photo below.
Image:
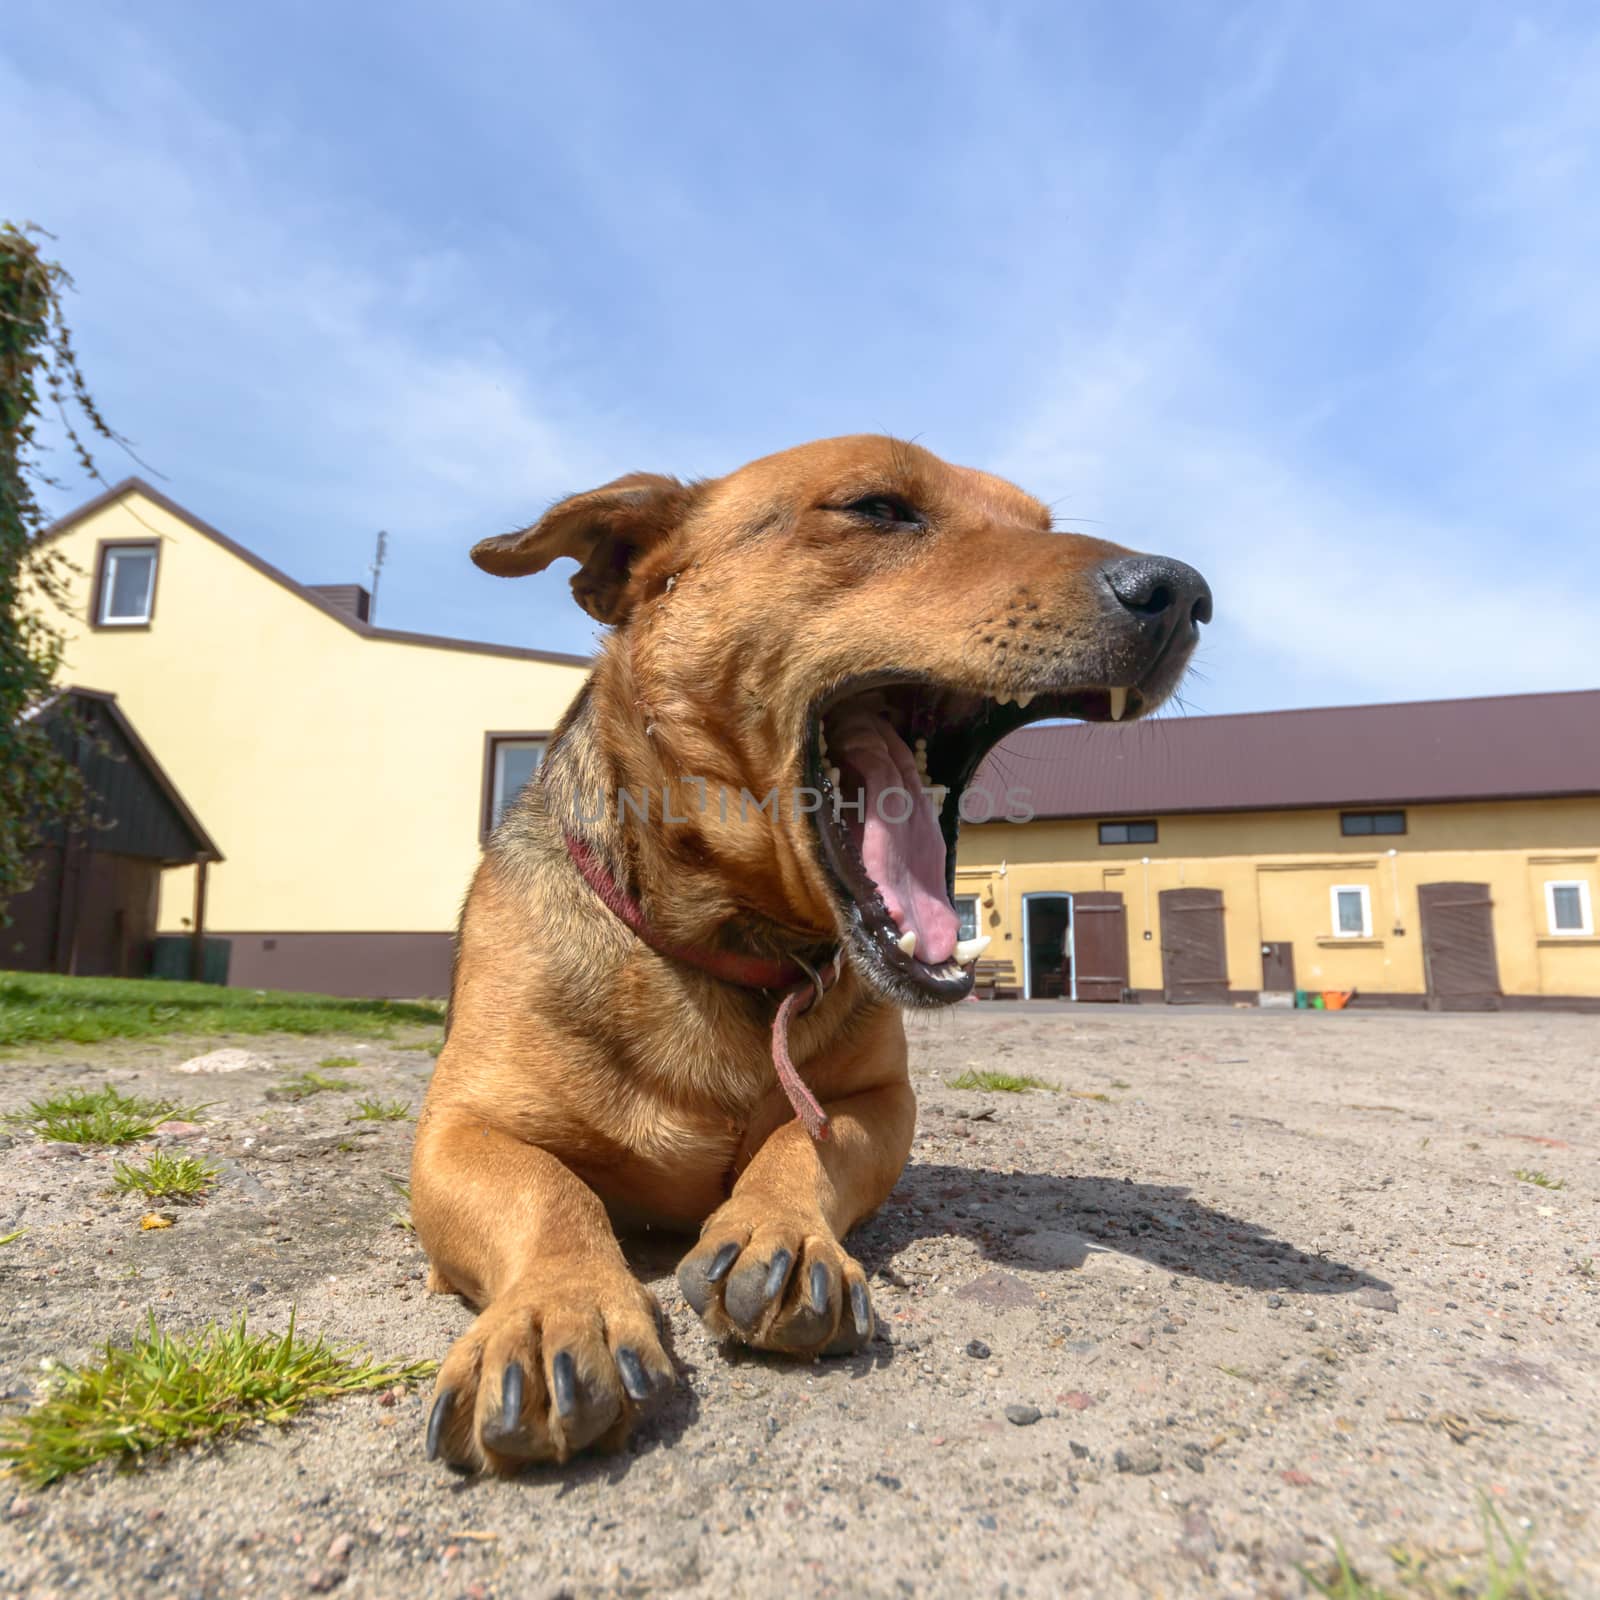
[1441, 853]
[346, 772]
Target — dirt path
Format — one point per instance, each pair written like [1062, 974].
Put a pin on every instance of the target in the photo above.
[1247, 1283]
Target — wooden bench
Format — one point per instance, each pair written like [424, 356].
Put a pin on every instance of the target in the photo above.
[996, 980]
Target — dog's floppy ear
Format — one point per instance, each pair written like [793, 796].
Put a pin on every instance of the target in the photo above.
[604, 531]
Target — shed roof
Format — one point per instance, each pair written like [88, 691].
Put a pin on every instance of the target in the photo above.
[1502, 747]
[137, 808]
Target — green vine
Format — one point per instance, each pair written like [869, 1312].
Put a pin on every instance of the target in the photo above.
[41, 790]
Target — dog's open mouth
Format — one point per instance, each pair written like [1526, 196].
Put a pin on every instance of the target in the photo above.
[891, 758]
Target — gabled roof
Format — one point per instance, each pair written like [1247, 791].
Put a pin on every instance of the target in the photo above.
[345, 618]
[139, 807]
[1503, 747]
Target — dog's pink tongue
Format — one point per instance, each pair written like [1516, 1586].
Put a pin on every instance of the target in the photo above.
[904, 858]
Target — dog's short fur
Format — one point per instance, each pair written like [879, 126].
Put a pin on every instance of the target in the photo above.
[588, 1081]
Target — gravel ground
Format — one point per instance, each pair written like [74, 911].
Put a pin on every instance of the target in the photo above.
[1245, 1284]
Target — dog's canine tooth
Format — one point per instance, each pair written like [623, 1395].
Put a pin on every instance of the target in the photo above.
[1119, 703]
[1023, 699]
[908, 942]
[968, 950]
[1002, 699]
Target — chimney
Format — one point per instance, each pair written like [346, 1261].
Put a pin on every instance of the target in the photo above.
[347, 597]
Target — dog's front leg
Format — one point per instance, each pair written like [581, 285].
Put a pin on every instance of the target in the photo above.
[565, 1352]
[769, 1268]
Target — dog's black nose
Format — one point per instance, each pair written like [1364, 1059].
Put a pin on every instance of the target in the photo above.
[1158, 588]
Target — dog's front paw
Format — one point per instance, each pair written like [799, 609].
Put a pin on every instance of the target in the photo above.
[554, 1366]
[777, 1283]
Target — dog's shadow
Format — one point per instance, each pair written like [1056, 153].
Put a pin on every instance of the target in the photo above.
[1028, 1221]
[1039, 1222]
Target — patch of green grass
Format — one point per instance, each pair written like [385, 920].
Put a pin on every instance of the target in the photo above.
[1000, 1082]
[375, 1110]
[11, 1238]
[306, 1084]
[333, 1063]
[161, 1392]
[1120, 1083]
[37, 1007]
[165, 1177]
[1503, 1572]
[1584, 1268]
[1542, 1180]
[400, 1219]
[100, 1116]
[432, 1046]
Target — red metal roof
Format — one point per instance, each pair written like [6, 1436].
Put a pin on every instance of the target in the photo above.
[1504, 747]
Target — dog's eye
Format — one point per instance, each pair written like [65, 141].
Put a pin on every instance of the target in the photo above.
[884, 508]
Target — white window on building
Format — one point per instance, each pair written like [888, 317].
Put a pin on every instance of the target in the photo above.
[967, 911]
[512, 763]
[1567, 907]
[126, 588]
[1352, 911]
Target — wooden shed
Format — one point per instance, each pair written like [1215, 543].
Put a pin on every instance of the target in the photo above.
[92, 907]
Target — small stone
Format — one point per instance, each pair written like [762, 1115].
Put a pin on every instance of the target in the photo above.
[1076, 1400]
[230, 1060]
[978, 1350]
[339, 1550]
[1081, 1451]
[1140, 1338]
[1274, 1301]
[1141, 1460]
[178, 1130]
[1377, 1299]
[21, 1506]
[1023, 1416]
[321, 1579]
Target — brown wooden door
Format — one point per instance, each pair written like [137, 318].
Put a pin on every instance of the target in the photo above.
[1100, 944]
[1458, 954]
[1194, 955]
[1277, 966]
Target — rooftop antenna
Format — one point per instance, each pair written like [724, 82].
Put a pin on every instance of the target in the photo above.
[376, 570]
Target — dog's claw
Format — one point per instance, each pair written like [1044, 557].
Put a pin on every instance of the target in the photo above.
[511, 1398]
[819, 1287]
[861, 1309]
[777, 1276]
[564, 1382]
[441, 1410]
[721, 1262]
[635, 1380]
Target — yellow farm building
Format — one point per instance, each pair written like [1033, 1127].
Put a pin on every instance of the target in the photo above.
[331, 781]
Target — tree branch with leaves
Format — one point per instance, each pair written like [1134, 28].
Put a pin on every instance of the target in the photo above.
[41, 790]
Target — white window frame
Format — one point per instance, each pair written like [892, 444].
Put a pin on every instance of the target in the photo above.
[1366, 910]
[977, 910]
[107, 584]
[1585, 907]
[497, 807]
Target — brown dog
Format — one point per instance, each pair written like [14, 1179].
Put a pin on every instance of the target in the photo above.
[734, 809]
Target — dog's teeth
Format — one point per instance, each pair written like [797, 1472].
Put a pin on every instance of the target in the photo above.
[908, 943]
[1002, 699]
[833, 776]
[968, 950]
[1119, 704]
[1023, 699]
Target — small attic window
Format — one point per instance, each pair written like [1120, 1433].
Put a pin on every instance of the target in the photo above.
[125, 585]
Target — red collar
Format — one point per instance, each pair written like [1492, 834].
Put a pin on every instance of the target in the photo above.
[805, 986]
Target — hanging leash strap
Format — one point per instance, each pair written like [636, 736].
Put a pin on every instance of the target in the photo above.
[806, 985]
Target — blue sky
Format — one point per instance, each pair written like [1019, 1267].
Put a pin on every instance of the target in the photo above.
[1305, 295]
